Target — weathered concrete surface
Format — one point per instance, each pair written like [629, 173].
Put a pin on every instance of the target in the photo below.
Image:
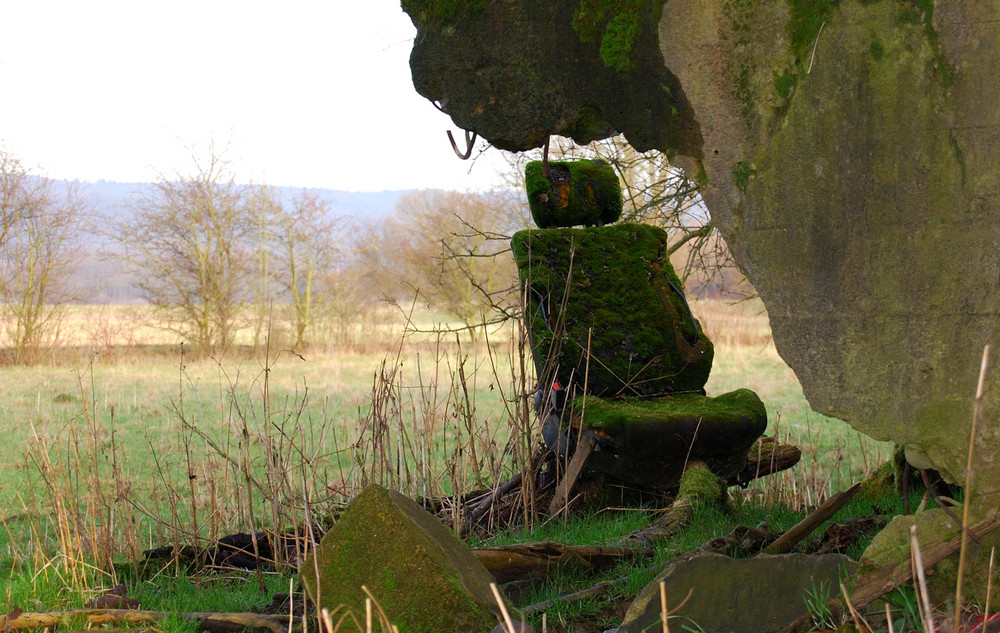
[487, 68]
[850, 151]
[729, 595]
[863, 207]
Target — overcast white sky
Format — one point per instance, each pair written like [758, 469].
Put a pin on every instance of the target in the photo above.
[313, 93]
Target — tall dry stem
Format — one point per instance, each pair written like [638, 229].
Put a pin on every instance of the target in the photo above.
[966, 503]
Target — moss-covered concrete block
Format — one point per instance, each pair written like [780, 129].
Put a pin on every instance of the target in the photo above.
[761, 594]
[892, 545]
[651, 440]
[612, 290]
[422, 576]
[574, 193]
[519, 71]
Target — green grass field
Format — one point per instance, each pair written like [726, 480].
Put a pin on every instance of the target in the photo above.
[113, 450]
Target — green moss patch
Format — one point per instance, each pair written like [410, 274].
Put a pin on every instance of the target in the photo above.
[784, 84]
[702, 487]
[742, 171]
[805, 18]
[611, 289]
[581, 192]
[618, 24]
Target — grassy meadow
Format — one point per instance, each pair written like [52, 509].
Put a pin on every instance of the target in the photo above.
[123, 440]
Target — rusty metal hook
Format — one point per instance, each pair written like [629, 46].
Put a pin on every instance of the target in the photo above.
[545, 157]
[470, 141]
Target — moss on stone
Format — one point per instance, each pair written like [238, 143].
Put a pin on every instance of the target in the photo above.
[443, 10]
[876, 50]
[742, 171]
[618, 24]
[651, 440]
[880, 483]
[784, 84]
[892, 545]
[805, 19]
[701, 177]
[581, 192]
[623, 301]
[702, 487]
[741, 59]
[422, 576]
[612, 414]
[616, 45]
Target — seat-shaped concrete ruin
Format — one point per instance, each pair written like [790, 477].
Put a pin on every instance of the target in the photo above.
[619, 355]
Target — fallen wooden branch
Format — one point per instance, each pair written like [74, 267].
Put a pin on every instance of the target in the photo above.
[805, 527]
[881, 581]
[765, 458]
[583, 594]
[481, 509]
[742, 541]
[18, 620]
[674, 520]
[537, 560]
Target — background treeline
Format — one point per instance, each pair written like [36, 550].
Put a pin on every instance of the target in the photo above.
[223, 262]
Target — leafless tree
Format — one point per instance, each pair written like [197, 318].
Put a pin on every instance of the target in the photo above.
[446, 248]
[189, 243]
[307, 248]
[265, 211]
[41, 223]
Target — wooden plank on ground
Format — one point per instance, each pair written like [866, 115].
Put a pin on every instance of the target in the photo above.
[805, 527]
[563, 489]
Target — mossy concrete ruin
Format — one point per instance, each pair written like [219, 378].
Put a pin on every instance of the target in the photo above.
[581, 68]
[892, 546]
[422, 576]
[847, 151]
[654, 440]
[851, 202]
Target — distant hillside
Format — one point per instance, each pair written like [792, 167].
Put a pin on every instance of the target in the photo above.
[115, 198]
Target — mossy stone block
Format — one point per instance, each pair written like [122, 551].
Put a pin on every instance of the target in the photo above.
[610, 289]
[892, 545]
[582, 192]
[651, 440]
[423, 577]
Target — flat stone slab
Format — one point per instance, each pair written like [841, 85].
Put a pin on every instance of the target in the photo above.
[729, 595]
[648, 442]
[420, 574]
